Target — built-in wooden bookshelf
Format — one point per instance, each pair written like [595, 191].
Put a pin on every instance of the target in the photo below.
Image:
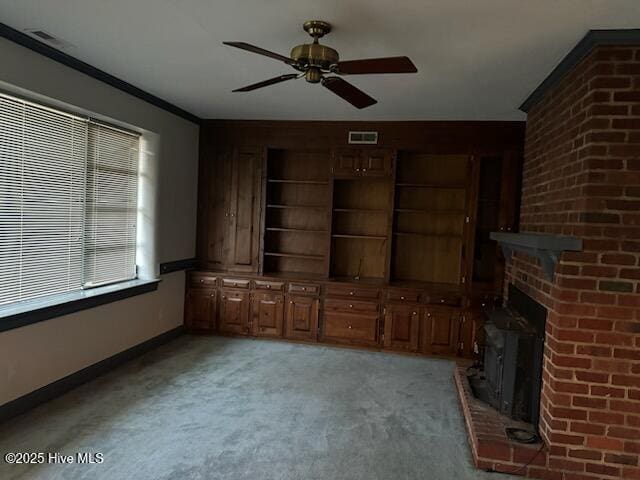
[429, 217]
[296, 233]
[360, 229]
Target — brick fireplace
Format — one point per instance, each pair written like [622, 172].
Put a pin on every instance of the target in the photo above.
[581, 178]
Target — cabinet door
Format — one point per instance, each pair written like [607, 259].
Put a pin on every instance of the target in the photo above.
[401, 327]
[242, 240]
[470, 324]
[352, 329]
[375, 163]
[216, 218]
[302, 318]
[200, 309]
[346, 163]
[440, 331]
[267, 315]
[234, 312]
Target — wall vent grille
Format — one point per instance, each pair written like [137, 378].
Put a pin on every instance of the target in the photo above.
[366, 138]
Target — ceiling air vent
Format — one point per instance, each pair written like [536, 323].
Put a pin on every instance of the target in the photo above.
[45, 36]
[367, 138]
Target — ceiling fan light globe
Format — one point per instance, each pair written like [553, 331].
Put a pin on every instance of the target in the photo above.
[313, 75]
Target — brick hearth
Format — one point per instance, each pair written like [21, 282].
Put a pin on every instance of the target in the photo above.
[492, 450]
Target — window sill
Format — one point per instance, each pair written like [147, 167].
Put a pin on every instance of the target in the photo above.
[33, 311]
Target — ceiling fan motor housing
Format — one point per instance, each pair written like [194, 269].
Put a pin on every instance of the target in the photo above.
[315, 55]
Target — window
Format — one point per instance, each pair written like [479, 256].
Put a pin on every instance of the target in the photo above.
[68, 202]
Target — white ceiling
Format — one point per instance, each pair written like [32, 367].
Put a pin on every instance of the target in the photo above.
[476, 59]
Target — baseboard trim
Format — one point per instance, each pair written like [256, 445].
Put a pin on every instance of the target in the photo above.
[59, 387]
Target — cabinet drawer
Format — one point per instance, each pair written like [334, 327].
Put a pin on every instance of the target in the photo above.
[350, 306]
[351, 328]
[202, 281]
[444, 299]
[264, 285]
[235, 283]
[353, 292]
[304, 289]
[408, 296]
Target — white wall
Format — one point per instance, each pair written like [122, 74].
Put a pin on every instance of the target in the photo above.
[38, 354]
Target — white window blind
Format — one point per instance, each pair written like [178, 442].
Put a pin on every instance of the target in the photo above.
[68, 190]
[111, 209]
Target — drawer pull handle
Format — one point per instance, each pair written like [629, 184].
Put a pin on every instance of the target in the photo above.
[224, 296]
[304, 289]
[202, 280]
[350, 293]
[442, 300]
[211, 295]
[291, 302]
[350, 305]
[428, 314]
[268, 286]
[349, 327]
[401, 298]
[414, 313]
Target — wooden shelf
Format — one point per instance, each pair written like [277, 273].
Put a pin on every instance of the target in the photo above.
[307, 207]
[294, 255]
[359, 210]
[299, 182]
[430, 235]
[366, 237]
[430, 211]
[431, 185]
[293, 230]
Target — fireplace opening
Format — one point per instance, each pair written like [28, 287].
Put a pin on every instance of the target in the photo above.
[510, 375]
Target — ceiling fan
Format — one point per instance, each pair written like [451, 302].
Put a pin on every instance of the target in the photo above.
[313, 61]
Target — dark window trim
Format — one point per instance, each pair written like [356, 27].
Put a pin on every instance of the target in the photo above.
[77, 301]
[31, 43]
[593, 39]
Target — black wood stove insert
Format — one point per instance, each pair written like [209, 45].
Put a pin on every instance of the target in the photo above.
[511, 375]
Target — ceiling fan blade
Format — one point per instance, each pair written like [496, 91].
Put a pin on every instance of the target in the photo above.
[266, 83]
[351, 94]
[377, 65]
[260, 51]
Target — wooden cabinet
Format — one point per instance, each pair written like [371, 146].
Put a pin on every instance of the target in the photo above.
[376, 163]
[200, 309]
[402, 327]
[346, 162]
[413, 320]
[440, 327]
[302, 318]
[234, 312]
[350, 328]
[470, 325]
[362, 162]
[495, 191]
[232, 192]
[267, 314]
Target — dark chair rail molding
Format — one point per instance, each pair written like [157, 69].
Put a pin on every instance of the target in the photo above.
[593, 39]
[177, 265]
[42, 48]
[59, 387]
